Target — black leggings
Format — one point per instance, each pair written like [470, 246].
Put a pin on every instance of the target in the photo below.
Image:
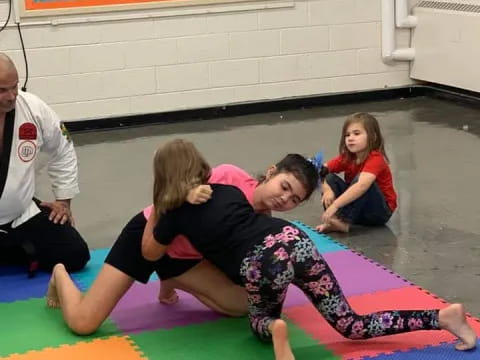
[290, 257]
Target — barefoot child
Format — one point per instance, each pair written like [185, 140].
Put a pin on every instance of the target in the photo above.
[265, 255]
[366, 196]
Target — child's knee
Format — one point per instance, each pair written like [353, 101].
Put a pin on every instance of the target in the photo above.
[82, 324]
[332, 178]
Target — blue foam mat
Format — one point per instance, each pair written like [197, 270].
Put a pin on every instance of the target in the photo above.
[86, 276]
[324, 243]
[17, 286]
[441, 352]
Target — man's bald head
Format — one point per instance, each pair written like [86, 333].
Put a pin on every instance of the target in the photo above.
[6, 64]
[8, 84]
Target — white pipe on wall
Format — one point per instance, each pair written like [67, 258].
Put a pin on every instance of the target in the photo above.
[388, 30]
[402, 17]
[395, 12]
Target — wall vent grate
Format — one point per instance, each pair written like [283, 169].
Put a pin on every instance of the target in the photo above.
[453, 6]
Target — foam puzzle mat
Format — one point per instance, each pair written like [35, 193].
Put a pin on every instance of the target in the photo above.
[142, 328]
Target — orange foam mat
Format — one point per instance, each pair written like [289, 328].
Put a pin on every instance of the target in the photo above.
[408, 298]
[114, 348]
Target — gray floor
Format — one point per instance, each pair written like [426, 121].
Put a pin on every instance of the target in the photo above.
[432, 240]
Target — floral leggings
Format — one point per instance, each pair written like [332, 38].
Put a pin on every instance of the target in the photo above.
[291, 257]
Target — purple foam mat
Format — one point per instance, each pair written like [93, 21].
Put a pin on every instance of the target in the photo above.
[359, 275]
[295, 297]
[139, 310]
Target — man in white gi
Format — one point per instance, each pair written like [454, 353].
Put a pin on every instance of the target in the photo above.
[38, 234]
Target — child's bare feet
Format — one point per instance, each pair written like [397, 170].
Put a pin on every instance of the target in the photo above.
[453, 319]
[335, 225]
[52, 297]
[168, 295]
[281, 345]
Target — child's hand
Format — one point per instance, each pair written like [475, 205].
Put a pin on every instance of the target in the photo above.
[329, 213]
[328, 198]
[199, 194]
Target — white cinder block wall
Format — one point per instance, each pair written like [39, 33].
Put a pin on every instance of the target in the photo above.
[115, 68]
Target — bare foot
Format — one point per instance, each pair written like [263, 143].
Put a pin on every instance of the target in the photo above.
[167, 296]
[52, 297]
[322, 228]
[281, 345]
[453, 319]
[335, 225]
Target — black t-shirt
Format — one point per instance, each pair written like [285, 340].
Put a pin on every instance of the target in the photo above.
[224, 229]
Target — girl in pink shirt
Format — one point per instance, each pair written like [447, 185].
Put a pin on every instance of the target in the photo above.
[280, 189]
[182, 268]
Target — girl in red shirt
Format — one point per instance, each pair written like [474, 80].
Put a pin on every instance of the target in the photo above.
[366, 196]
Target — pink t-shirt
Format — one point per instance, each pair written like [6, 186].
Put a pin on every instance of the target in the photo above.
[223, 174]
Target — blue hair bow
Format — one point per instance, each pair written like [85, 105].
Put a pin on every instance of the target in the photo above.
[317, 160]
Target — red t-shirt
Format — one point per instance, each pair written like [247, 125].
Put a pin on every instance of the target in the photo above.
[225, 174]
[374, 164]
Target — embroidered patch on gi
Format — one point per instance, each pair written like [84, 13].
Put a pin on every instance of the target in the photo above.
[65, 132]
[27, 150]
[27, 131]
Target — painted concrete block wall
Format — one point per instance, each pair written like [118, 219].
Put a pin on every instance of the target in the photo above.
[115, 68]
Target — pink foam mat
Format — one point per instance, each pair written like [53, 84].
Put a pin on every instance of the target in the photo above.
[408, 298]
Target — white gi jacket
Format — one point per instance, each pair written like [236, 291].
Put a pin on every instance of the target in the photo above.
[34, 128]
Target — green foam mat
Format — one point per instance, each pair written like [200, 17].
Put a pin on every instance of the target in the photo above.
[31, 325]
[223, 339]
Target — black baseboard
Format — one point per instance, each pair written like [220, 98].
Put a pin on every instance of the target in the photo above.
[430, 90]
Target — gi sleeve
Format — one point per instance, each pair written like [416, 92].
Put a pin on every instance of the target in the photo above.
[62, 167]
